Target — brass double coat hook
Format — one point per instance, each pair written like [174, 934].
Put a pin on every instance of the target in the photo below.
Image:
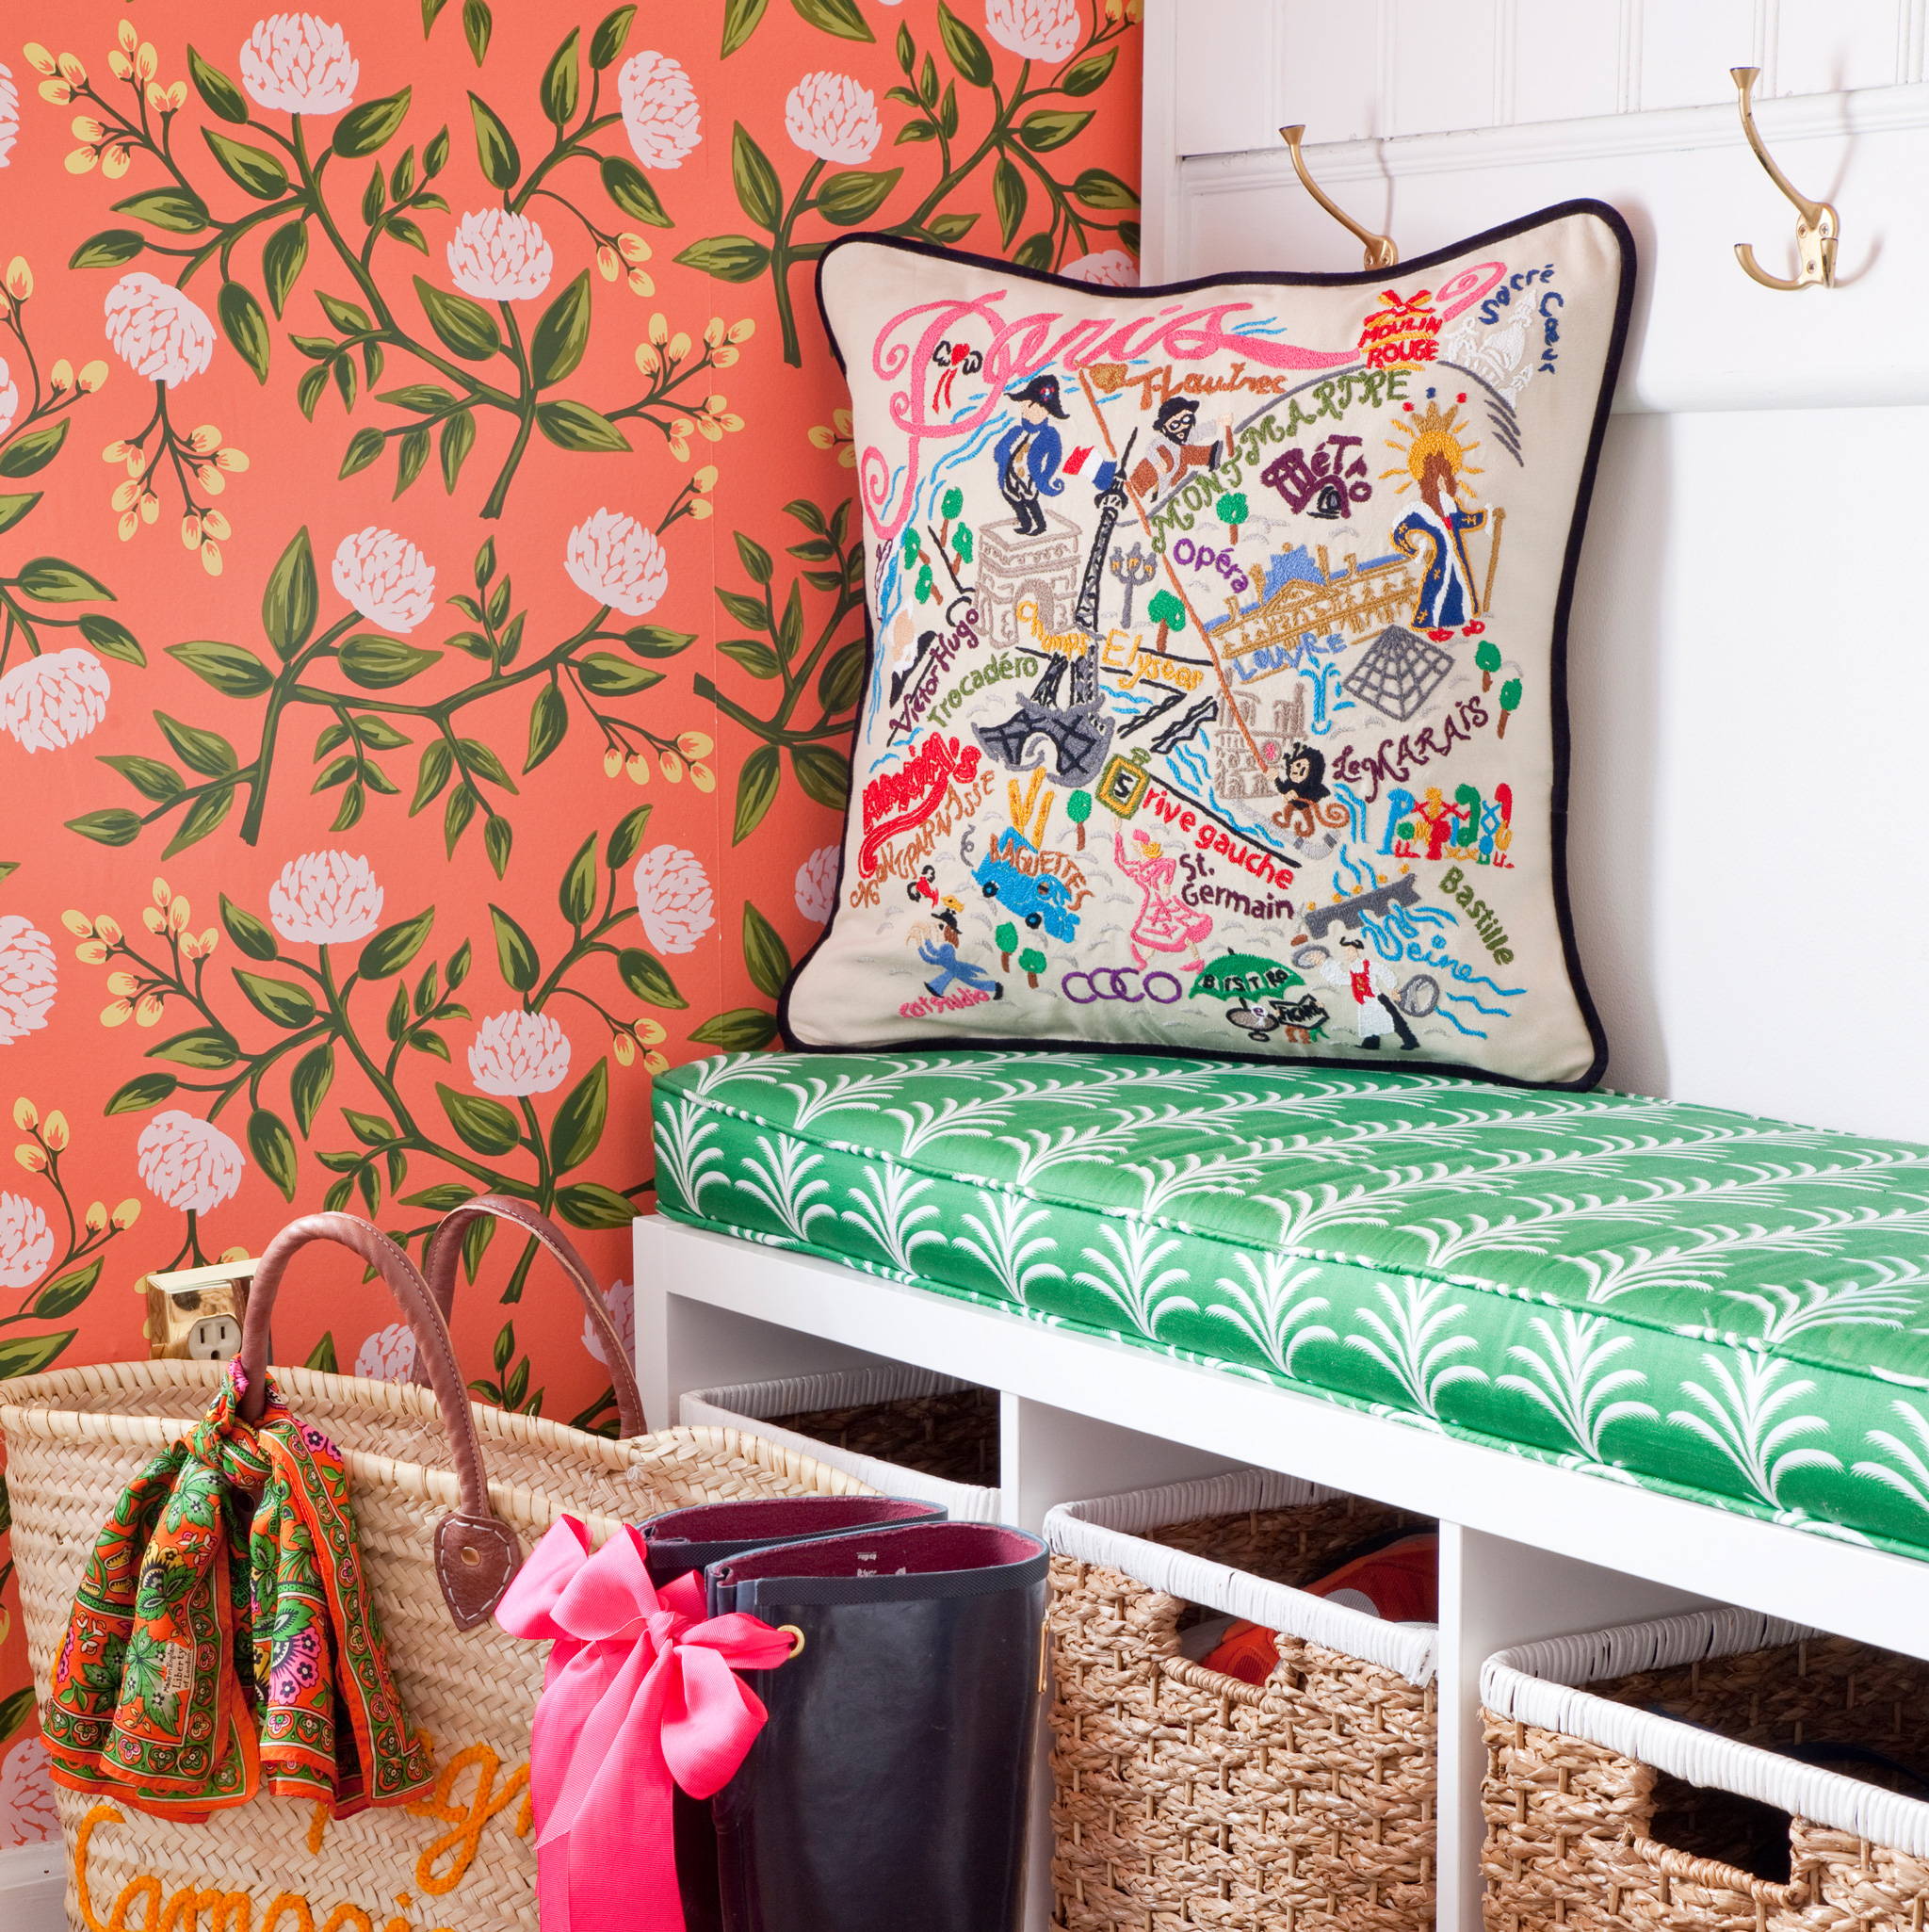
[1817, 225]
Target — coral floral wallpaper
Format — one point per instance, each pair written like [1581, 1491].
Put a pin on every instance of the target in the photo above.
[430, 603]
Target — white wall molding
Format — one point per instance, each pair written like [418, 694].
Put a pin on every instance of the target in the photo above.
[32, 1881]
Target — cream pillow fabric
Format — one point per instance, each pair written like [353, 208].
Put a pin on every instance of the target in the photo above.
[1215, 700]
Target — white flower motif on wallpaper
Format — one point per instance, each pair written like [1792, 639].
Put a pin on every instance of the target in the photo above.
[613, 558]
[385, 578]
[157, 331]
[325, 898]
[1112, 267]
[660, 109]
[300, 64]
[496, 256]
[620, 1299]
[672, 898]
[27, 1815]
[10, 112]
[517, 1053]
[27, 978]
[833, 117]
[388, 1355]
[10, 398]
[188, 1164]
[1038, 29]
[48, 702]
[815, 884]
[27, 1242]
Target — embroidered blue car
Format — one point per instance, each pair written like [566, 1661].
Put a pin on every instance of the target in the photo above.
[1013, 874]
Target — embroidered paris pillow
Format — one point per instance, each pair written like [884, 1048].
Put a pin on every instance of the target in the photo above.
[1215, 695]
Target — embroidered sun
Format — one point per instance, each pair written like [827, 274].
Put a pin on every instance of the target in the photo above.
[1434, 437]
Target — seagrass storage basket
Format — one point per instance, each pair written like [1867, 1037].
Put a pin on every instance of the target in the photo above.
[1643, 1777]
[1187, 1799]
[898, 1429]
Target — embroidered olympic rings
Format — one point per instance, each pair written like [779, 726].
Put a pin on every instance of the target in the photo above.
[1110, 983]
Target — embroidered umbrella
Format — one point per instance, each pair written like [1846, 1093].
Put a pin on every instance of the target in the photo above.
[1244, 976]
[223, 1640]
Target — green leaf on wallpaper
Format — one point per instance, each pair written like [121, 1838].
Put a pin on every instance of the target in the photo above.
[274, 1147]
[790, 625]
[1034, 251]
[485, 1124]
[200, 750]
[407, 230]
[515, 953]
[482, 762]
[1008, 196]
[627, 839]
[54, 580]
[612, 31]
[440, 1199]
[757, 789]
[232, 672]
[628, 187]
[578, 1123]
[389, 950]
[308, 1085]
[13, 508]
[32, 452]
[478, 24]
[368, 124]
[562, 81]
[653, 640]
[365, 445]
[1098, 187]
[27, 1354]
[65, 1294]
[1053, 127]
[549, 725]
[1088, 76]
[728, 257]
[378, 663]
[458, 438]
[110, 826]
[572, 425]
[842, 677]
[648, 978]
[839, 17]
[824, 773]
[914, 131]
[577, 895]
[756, 657]
[970, 55]
[252, 935]
[590, 1204]
[322, 1357]
[465, 327]
[766, 958]
[740, 21]
[281, 1000]
[255, 170]
[747, 611]
[106, 249]
[216, 88]
[856, 194]
[288, 601]
[740, 1030]
[563, 333]
[179, 210]
[494, 148]
[15, 1710]
[148, 776]
[112, 637]
[143, 1091]
[759, 193]
[207, 1049]
[412, 454]
[755, 559]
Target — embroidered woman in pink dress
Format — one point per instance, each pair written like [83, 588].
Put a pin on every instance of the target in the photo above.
[1165, 922]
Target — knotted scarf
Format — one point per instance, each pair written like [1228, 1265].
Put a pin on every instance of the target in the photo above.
[640, 1688]
[224, 1641]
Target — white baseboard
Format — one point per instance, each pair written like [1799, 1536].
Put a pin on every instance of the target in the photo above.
[32, 1880]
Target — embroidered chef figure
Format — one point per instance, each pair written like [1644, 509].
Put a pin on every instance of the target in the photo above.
[1375, 1012]
[1029, 453]
[1175, 453]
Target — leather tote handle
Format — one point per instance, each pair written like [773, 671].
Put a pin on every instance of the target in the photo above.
[445, 1253]
[475, 1552]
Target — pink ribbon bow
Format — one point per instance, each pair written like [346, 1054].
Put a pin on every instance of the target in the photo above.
[641, 1690]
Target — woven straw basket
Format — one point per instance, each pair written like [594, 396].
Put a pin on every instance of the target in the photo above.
[1587, 1790]
[464, 1857]
[903, 1430]
[1187, 1799]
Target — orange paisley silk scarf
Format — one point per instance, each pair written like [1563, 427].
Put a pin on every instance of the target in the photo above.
[224, 1640]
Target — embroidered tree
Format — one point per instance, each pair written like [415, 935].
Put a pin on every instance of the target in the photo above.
[1486, 656]
[1233, 510]
[949, 505]
[1510, 702]
[1168, 613]
[961, 542]
[1006, 940]
[1031, 963]
[1078, 809]
[926, 586]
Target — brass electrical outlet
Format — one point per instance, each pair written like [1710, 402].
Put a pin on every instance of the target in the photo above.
[194, 1314]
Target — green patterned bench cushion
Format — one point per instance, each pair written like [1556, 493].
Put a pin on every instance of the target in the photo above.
[1717, 1306]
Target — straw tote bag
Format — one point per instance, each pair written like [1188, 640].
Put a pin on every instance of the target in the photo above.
[447, 1496]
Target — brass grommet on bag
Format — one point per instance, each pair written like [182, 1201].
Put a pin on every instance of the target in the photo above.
[796, 1636]
[471, 1555]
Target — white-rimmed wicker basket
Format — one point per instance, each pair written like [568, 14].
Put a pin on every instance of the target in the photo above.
[1606, 1749]
[1187, 1799]
[462, 1859]
[900, 1430]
